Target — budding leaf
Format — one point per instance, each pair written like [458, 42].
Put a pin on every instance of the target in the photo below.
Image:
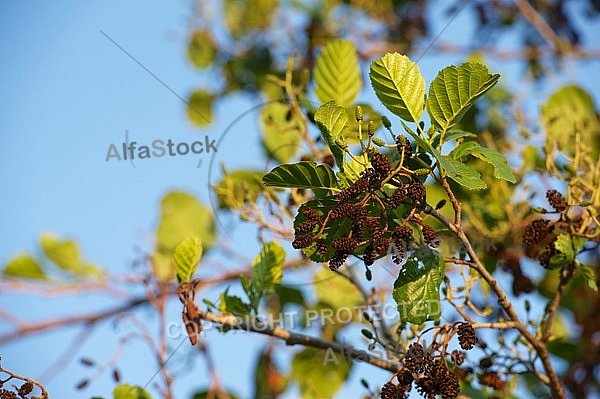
[331, 119]
[186, 258]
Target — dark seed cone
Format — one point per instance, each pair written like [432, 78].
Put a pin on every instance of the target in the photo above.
[374, 227]
[382, 245]
[337, 260]
[448, 386]
[359, 187]
[302, 241]
[416, 359]
[417, 192]
[391, 391]
[547, 254]
[342, 210]
[6, 394]
[458, 357]
[399, 252]
[536, 231]
[321, 246]
[430, 235]
[556, 200]
[25, 389]
[381, 164]
[311, 214]
[492, 379]
[466, 336]
[357, 229]
[402, 143]
[397, 198]
[426, 386]
[306, 226]
[370, 255]
[402, 232]
[344, 244]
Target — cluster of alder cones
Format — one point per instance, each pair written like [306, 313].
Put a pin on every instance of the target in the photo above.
[367, 206]
[541, 234]
[431, 376]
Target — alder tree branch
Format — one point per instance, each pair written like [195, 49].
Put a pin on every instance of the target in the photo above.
[503, 300]
[292, 338]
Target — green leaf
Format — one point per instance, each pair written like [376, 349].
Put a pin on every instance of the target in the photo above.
[494, 158]
[234, 305]
[319, 373]
[304, 174]
[335, 290]
[266, 267]
[201, 49]
[589, 275]
[199, 108]
[399, 85]
[451, 135]
[281, 128]
[417, 289]
[65, 255]
[331, 120]
[337, 73]
[568, 112]
[24, 266]
[126, 391]
[565, 251]
[182, 216]
[454, 90]
[186, 258]
[462, 174]
[456, 170]
[238, 188]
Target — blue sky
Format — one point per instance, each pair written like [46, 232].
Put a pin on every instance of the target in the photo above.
[67, 93]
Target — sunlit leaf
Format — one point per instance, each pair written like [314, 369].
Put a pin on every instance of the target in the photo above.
[336, 291]
[399, 85]
[24, 266]
[417, 289]
[306, 174]
[199, 108]
[267, 267]
[65, 254]
[331, 120]
[239, 187]
[281, 128]
[454, 90]
[319, 373]
[182, 216]
[568, 112]
[497, 160]
[337, 73]
[201, 49]
[127, 391]
[186, 258]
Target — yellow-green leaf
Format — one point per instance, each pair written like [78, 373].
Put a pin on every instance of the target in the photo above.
[399, 85]
[454, 90]
[337, 73]
[24, 266]
[186, 258]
